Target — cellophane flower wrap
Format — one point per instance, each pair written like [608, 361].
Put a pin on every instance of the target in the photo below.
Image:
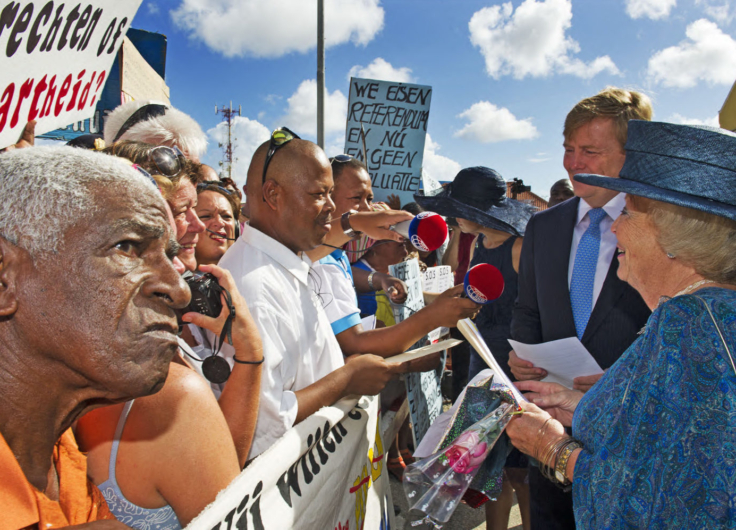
[436, 484]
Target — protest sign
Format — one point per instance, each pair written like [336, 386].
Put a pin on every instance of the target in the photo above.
[394, 119]
[57, 60]
[138, 79]
[422, 389]
[438, 280]
[326, 472]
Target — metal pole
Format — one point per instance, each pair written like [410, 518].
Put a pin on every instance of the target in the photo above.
[321, 73]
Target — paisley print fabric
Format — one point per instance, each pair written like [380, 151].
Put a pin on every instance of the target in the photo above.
[659, 428]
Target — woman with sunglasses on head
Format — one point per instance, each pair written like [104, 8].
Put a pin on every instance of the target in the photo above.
[219, 209]
[148, 455]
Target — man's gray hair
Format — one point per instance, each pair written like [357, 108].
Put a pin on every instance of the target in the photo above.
[45, 190]
[174, 128]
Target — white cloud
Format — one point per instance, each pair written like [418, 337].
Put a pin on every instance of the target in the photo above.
[248, 135]
[539, 160]
[489, 123]
[717, 11]
[707, 55]
[437, 166]
[272, 29]
[152, 8]
[654, 9]
[382, 69]
[531, 41]
[301, 113]
[679, 118]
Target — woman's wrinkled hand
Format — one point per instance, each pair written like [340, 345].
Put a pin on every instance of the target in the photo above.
[559, 401]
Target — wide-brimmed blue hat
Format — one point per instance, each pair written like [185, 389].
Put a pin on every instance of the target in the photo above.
[479, 195]
[688, 165]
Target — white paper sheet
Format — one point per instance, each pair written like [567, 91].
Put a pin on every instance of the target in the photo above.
[470, 331]
[368, 322]
[564, 359]
[423, 351]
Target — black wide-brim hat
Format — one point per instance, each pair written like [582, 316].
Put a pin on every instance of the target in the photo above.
[479, 195]
[688, 165]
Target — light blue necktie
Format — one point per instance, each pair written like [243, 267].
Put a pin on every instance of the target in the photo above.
[583, 272]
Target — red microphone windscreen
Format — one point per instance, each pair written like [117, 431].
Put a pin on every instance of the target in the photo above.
[484, 283]
[428, 231]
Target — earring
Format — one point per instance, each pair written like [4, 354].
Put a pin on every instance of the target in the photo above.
[670, 255]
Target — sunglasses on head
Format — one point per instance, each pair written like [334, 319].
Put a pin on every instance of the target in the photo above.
[279, 138]
[341, 159]
[167, 161]
[145, 113]
[212, 186]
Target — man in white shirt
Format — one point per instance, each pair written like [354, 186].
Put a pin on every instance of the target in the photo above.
[567, 276]
[290, 207]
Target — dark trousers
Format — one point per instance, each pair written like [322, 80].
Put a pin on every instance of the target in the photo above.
[551, 508]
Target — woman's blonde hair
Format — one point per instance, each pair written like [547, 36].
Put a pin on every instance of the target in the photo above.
[703, 241]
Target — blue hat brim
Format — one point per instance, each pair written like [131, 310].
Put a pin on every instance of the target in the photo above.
[658, 194]
[511, 218]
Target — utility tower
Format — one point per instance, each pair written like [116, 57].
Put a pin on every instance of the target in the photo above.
[227, 116]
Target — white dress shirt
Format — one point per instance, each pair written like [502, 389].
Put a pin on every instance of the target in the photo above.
[332, 280]
[608, 240]
[298, 344]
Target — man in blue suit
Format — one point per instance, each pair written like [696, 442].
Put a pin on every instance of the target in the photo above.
[567, 276]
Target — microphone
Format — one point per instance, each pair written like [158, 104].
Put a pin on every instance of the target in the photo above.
[483, 284]
[427, 231]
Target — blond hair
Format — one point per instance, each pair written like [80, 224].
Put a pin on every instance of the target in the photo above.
[704, 241]
[619, 104]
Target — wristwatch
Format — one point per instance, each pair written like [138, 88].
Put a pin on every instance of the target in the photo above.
[345, 224]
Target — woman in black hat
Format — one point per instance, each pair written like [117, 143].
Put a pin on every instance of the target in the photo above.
[655, 438]
[477, 199]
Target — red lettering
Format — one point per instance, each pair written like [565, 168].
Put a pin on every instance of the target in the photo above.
[75, 91]
[25, 91]
[49, 101]
[5, 104]
[63, 91]
[40, 87]
[99, 84]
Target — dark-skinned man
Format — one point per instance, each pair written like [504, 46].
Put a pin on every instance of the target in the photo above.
[288, 190]
[351, 192]
[87, 292]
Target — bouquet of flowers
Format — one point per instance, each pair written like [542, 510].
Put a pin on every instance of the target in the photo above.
[436, 484]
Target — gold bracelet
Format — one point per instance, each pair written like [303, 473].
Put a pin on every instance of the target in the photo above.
[563, 458]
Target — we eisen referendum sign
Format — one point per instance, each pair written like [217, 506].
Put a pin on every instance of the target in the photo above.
[55, 57]
[392, 120]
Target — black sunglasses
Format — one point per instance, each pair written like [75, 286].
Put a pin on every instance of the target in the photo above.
[145, 113]
[212, 185]
[341, 159]
[167, 161]
[279, 138]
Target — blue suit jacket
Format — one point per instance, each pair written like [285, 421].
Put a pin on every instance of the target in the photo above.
[543, 313]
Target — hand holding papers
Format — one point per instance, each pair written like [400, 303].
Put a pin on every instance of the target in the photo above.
[422, 352]
[563, 359]
[469, 330]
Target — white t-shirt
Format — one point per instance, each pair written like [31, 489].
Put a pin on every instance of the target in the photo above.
[332, 280]
[298, 344]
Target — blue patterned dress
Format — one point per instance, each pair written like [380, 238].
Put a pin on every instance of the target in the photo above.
[659, 429]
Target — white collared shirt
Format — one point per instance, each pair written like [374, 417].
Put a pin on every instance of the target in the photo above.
[608, 240]
[298, 344]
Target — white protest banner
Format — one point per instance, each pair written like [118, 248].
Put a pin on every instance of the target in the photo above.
[327, 472]
[438, 280]
[394, 119]
[423, 390]
[56, 59]
[138, 78]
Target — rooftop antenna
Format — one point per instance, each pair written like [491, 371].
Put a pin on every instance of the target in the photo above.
[227, 147]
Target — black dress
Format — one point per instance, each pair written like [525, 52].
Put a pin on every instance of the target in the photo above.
[494, 319]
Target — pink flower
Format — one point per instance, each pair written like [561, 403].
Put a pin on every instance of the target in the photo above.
[466, 453]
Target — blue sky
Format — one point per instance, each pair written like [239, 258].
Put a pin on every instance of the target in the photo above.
[504, 75]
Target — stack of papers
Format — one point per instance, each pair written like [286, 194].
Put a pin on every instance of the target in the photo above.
[563, 359]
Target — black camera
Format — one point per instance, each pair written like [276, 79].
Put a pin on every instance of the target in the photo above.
[205, 294]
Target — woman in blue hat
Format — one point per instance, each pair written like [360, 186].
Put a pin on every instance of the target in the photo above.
[477, 199]
[655, 439]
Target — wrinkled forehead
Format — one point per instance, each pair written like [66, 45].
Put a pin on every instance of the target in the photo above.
[116, 202]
